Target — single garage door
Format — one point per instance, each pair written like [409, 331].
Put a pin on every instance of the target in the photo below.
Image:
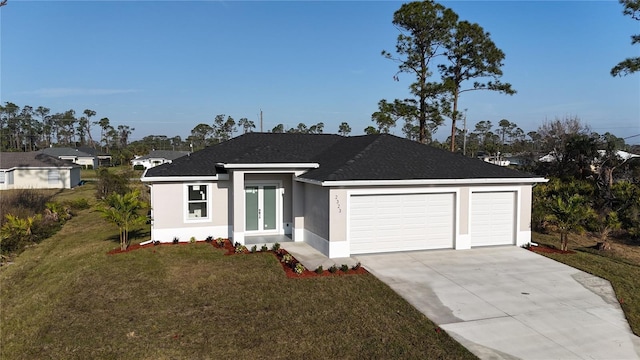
[493, 218]
[401, 222]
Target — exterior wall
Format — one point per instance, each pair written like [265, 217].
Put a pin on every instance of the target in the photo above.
[149, 163]
[297, 209]
[4, 177]
[237, 200]
[316, 217]
[526, 202]
[463, 213]
[169, 213]
[38, 178]
[87, 161]
[74, 177]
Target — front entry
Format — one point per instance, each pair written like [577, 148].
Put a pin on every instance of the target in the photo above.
[261, 208]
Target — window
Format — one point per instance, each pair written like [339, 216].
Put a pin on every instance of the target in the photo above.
[54, 177]
[2, 177]
[197, 201]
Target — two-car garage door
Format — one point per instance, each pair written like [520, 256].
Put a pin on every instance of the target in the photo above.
[401, 222]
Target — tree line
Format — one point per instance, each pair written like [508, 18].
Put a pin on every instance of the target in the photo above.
[27, 129]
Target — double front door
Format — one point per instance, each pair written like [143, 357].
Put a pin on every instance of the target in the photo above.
[261, 208]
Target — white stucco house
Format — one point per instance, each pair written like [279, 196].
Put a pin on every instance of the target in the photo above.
[158, 157]
[76, 156]
[341, 195]
[35, 170]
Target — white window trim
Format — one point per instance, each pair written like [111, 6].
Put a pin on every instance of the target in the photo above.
[185, 211]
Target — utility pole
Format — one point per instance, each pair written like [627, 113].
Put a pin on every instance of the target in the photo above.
[261, 121]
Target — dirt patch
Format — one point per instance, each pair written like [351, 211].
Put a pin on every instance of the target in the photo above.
[549, 250]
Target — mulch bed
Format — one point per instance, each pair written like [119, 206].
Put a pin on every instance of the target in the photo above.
[229, 249]
[542, 249]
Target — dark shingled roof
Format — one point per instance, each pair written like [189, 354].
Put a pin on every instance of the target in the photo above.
[10, 160]
[164, 154]
[367, 157]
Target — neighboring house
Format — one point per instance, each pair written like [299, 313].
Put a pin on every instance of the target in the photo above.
[158, 157]
[622, 155]
[342, 195]
[74, 155]
[35, 170]
[103, 158]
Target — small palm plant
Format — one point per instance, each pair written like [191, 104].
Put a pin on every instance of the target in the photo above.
[16, 231]
[124, 212]
[568, 213]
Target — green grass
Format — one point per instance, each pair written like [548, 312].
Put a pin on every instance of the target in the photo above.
[624, 274]
[67, 299]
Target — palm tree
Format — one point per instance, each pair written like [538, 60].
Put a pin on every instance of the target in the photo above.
[123, 211]
[568, 213]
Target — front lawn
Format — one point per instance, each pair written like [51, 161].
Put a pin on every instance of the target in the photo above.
[67, 299]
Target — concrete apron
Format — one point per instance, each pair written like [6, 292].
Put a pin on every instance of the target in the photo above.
[508, 303]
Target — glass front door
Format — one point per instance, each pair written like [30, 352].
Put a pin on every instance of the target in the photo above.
[261, 207]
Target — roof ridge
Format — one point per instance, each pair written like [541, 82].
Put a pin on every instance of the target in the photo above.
[358, 155]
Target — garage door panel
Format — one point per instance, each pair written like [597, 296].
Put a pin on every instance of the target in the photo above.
[401, 222]
[493, 218]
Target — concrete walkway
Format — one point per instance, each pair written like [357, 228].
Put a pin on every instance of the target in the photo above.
[508, 303]
[312, 258]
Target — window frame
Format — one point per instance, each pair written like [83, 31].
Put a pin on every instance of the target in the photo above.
[207, 203]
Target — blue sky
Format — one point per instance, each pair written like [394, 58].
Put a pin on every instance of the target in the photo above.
[162, 67]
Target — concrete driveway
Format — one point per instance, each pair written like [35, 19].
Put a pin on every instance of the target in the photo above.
[508, 303]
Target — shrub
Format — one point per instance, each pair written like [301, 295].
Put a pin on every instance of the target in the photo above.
[156, 242]
[286, 258]
[254, 248]
[264, 248]
[109, 183]
[319, 270]
[275, 247]
[344, 267]
[356, 266]
[299, 268]
[77, 204]
[22, 203]
[192, 240]
[239, 248]
[333, 269]
[138, 167]
[209, 239]
[176, 240]
[220, 242]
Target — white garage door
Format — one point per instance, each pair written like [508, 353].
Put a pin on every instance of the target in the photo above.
[401, 222]
[493, 218]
